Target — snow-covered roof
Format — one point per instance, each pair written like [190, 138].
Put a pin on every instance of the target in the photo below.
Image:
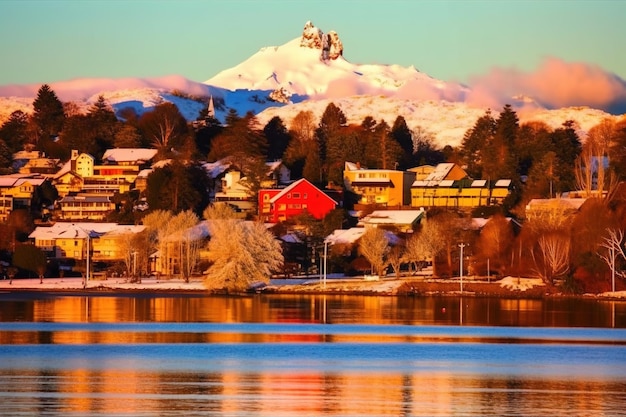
[144, 173]
[215, 169]
[345, 236]
[15, 180]
[479, 183]
[293, 185]
[392, 217]
[446, 183]
[67, 230]
[440, 172]
[139, 155]
[503, 183]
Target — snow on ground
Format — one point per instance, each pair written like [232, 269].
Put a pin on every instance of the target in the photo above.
[59, 284]
[520, 284]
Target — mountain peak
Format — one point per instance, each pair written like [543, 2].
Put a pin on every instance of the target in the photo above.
[329, 43]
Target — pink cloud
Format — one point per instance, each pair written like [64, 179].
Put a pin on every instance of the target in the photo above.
[554, 84]
[82, 88]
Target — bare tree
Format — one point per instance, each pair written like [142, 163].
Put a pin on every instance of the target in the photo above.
[188, 241]
[374, 246]
[395, 257]
[552, 255]
[425, 245]
[158, 225]
[614, 250]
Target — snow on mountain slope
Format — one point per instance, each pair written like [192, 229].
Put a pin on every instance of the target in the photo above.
[302, 72]
[445, 121]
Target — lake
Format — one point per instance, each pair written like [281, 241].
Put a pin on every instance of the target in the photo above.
[309, 355]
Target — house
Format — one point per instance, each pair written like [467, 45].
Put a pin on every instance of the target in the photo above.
[384, 187]
[85, 207]
[117, 175]
[128, 156]
[17, 190]
[230, 182]
[540, 208]
[448, 185]
[232, 190]
[301, 196]
[73, 240]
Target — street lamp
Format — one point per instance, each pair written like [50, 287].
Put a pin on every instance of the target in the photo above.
[325, 260]
[461, 245]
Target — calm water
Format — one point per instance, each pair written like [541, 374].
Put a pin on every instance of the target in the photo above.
[276, 355]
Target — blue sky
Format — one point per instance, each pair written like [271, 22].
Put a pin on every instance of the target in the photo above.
[50, 40]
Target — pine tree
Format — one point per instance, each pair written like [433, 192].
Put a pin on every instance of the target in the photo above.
[401, 133]
[48, 115]
[474, 143]
[278, 138]
[14, 130]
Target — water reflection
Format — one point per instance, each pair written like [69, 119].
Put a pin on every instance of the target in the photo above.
[286, 355]
[552, 312]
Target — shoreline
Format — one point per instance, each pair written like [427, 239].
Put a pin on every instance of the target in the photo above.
[509, 287]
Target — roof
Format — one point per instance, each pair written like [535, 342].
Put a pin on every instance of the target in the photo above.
[66, 230]
[295, 185]
[345, 236]
[129, 155]
[392, 217]
[440, 172]
[86, 198]
[215, 169]
[15, 180]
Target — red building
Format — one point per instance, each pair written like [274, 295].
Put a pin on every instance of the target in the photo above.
[277, 205]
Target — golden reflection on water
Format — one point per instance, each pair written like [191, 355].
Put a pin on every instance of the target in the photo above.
[319, 309]
[118, 392]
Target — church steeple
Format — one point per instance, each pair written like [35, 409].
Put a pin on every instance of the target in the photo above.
[211, 109]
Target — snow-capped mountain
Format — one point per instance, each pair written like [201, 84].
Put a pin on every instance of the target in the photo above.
[309, 72]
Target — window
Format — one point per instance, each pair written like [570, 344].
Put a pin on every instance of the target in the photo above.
[305, 196]
[296, 195]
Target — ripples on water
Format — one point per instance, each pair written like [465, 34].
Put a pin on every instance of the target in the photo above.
[61, 362]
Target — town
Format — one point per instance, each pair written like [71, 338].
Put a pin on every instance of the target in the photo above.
[100, 195]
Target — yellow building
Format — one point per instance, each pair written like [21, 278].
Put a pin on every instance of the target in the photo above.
[85, 207]
[384, 187]
[116, 175]
[16, 191]
[448, 185]
[106, 241]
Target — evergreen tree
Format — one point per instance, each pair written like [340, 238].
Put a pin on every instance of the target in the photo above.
[48, 115]
[240, 140]
[333, 119]
[566, 143]
[342, 147]
[14, 131]
[278, 138]
[388, 150]
[401, 133]
[127, 136]
[474, 143]
[6, 158]
[178, 187]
